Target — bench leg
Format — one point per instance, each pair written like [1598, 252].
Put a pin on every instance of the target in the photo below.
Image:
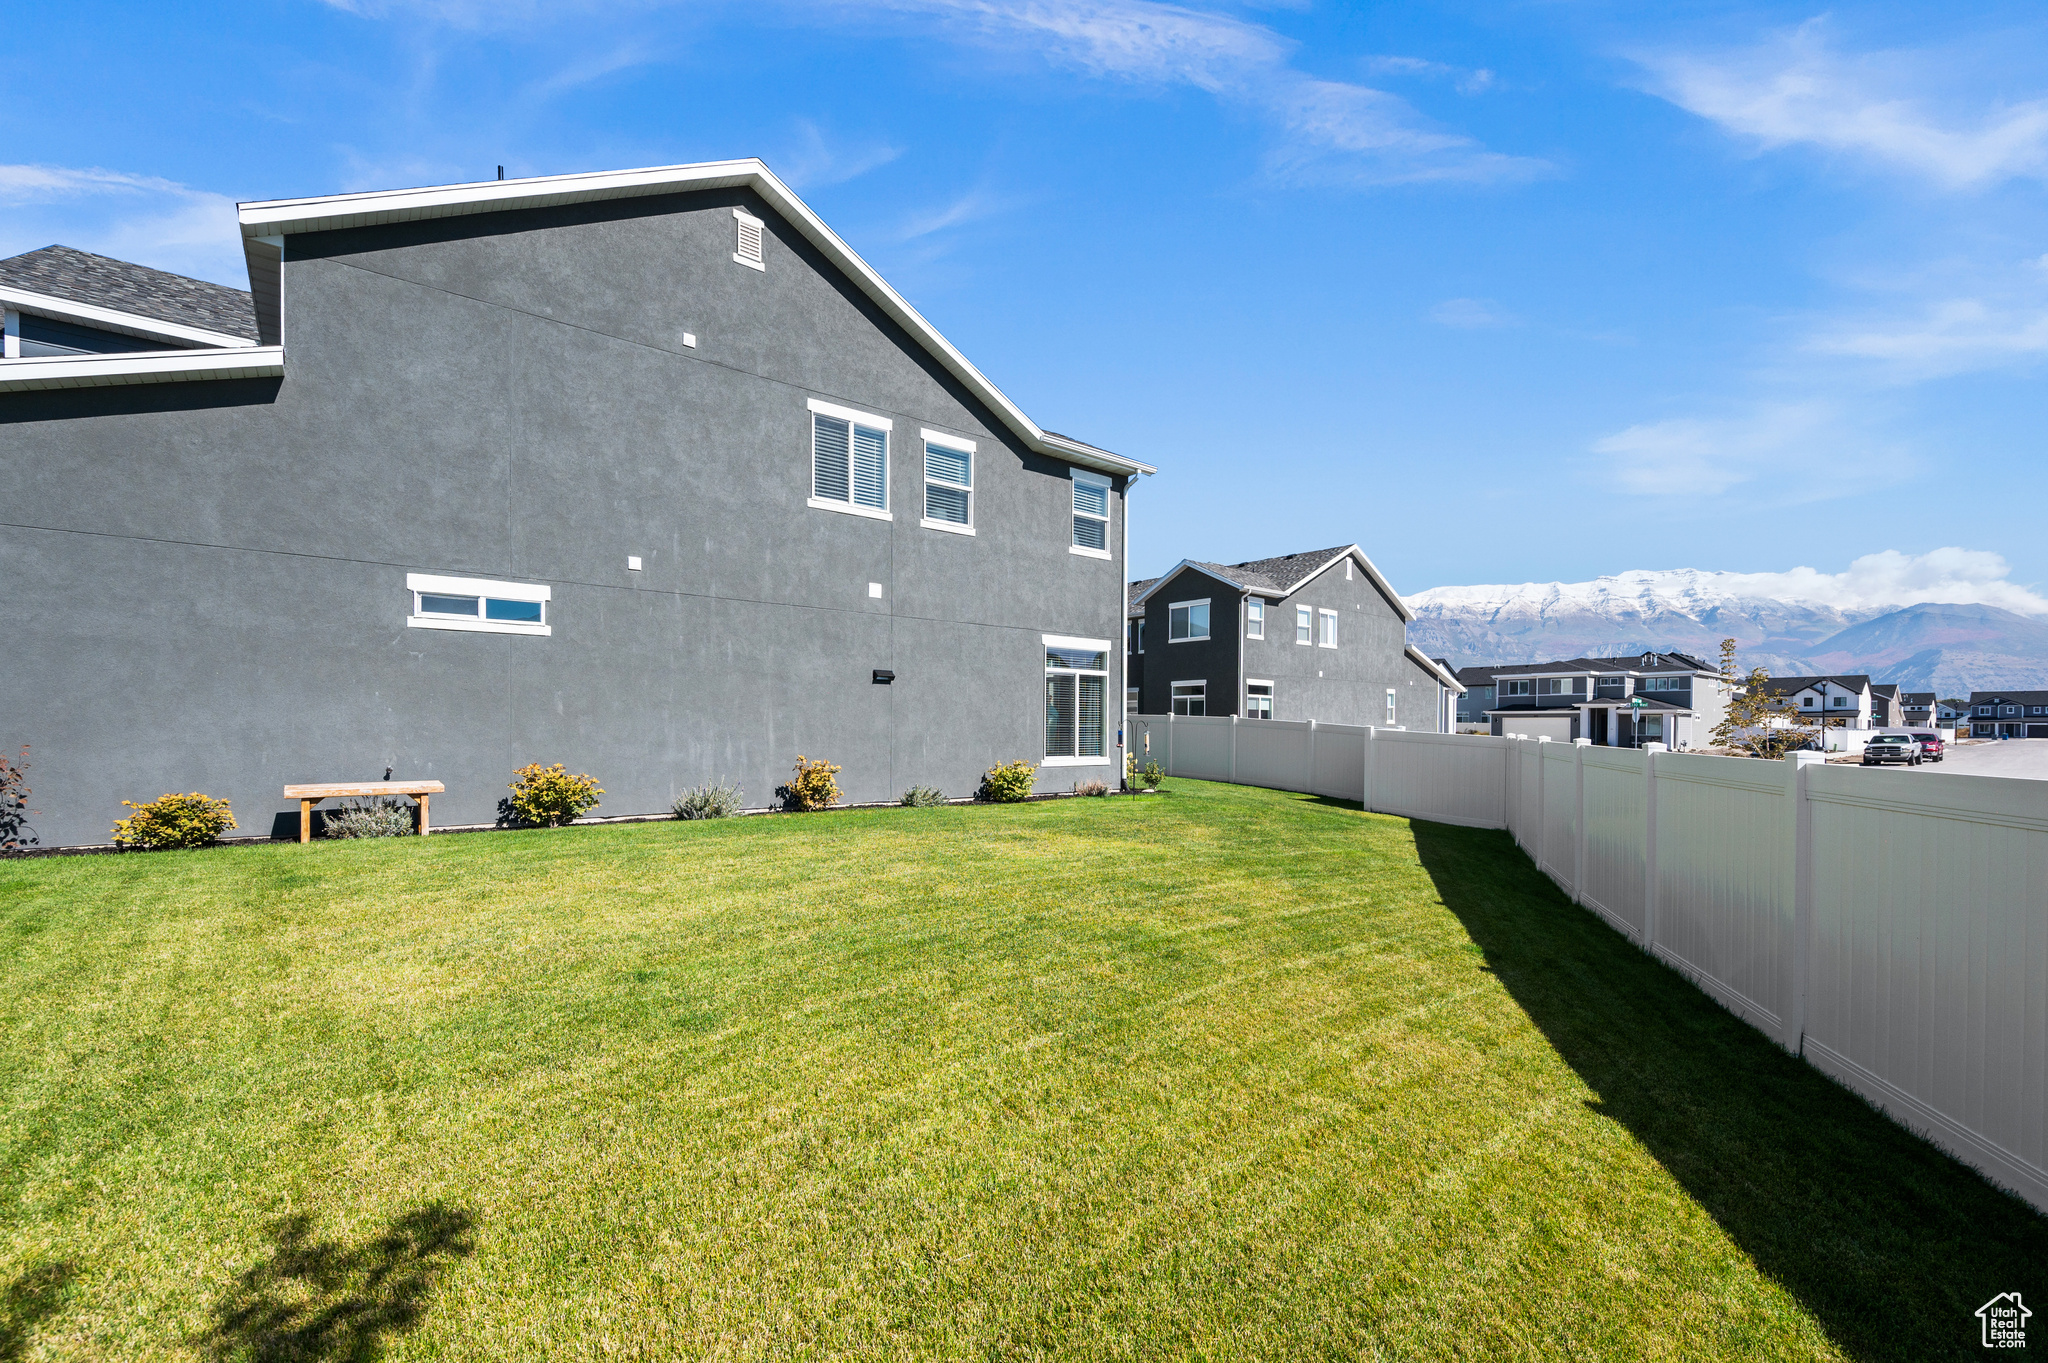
[305, 821]
[423, 816]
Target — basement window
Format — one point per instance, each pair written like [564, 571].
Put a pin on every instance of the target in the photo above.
[477, 605]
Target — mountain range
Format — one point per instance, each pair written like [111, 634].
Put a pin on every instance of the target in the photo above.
[1948, 648]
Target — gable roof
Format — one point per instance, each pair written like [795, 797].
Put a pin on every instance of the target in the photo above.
[1852, 681]
[266, 224]
[2009, 697]
[1666, 663]
[126, 298]
[1917, 699]
[1284, 575]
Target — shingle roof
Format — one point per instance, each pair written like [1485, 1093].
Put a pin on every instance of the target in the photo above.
[1666, 662]
[82, 277]
[1853, 681]
[1282, 574]
[1137, 589]
[2015, 697]
[1916, 699]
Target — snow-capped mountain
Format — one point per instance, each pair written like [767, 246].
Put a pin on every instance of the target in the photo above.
[1927, 646]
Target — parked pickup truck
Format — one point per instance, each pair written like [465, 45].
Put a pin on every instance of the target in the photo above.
[1892, 748]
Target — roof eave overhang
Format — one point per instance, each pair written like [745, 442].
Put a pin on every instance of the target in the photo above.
[1430, 664]
[120, 322]
[146, 366]
[280, 218]
[1174, 571]
[1372, 573]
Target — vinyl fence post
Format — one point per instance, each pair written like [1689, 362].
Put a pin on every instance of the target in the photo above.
[1797, 787]
[1233, 750]
[1310, 784]
[1542, 809]
[1169, 744]
[1579, 746]
[1651, 752]
[1365, 791]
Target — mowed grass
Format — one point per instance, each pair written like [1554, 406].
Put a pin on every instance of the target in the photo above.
[1223, 1074]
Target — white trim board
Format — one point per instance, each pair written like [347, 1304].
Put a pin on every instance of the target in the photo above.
[150, 366]
[478, 586]
[330, 212]
[115, 320]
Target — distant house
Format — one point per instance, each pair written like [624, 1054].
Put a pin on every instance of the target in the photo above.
[1884, 705]
[2009, 714]
[1317, 635]
[1669, 698]
[1477, 700]
[1952, 712]
[1916, 709]
[1844, 702]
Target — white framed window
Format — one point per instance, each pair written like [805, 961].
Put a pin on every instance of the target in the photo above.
[1326, 636]
[1550, 686]
[1304, 625]
[1521, 687]
[1391, 695]
[1191, 698]
[849, 461]
[2012, 709]
[1665, 683]
[1254, 619]
[477, 605]
[1137, 640]
[1839, 702]
[1187, 622]
[747, 249]
[1091, 514]
[948, 483]
[1076, 701]
[1807, 702]
[1258, 699]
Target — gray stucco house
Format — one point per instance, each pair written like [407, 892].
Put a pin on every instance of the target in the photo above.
[645, 472]
[1317, 635]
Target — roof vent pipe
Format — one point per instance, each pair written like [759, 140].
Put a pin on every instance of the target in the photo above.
[501, 172]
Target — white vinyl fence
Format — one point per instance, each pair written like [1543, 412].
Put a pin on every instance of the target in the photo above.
[1890, 927]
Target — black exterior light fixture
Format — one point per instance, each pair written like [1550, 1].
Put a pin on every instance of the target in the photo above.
[883, 676]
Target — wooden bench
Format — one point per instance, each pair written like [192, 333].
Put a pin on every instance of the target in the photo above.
[308, 796]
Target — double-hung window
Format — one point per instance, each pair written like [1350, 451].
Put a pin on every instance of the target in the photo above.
[1326, 633]
[948, 483]
[1076, 708]
[1187, 622]
[1258, 699]
[1550, 686]
[849, 460]
[1254, 619]
[1091, 514]
[477, 605]
[1521, 687]
[1191, 698]
[1304, 623]
[1391, 694]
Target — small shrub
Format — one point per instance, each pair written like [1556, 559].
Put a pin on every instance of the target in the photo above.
[1091, 787]
[375, 818]
[924, 797]
[1009, 782]
[15, 833]
[550, 796]
[720, 799]
[1151, 776]
[812, 787]
[174, 821]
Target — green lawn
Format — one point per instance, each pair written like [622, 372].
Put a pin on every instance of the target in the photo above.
[1223, 1074]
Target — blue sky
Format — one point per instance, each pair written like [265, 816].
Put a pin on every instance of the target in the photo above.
[1509, 292]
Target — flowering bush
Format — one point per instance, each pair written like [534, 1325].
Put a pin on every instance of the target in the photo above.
[377, 818]
[719, 799]
[1008, 783]
[174, 821]
[812, 787]
[550, 796]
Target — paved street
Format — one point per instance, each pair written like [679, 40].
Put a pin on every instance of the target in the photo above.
[2024, 757]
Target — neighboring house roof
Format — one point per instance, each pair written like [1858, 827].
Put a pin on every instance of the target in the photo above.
[1284, 575]
[1919, 700]
[2009, 698]
[205, 314]
[1134, 596]
[1855, 681]
[1665, 662]
[1436, 667]
[266, 224]
[1889, 690]
[1571, 703]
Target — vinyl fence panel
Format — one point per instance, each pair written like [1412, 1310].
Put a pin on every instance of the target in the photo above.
[1339, 768]
[1448, 778]
[1612, 870]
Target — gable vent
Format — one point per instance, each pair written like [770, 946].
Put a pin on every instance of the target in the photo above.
[748, 251]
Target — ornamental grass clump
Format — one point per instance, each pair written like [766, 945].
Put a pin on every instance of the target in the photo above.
[375, 818]
[720, 799]
[812, 786]
[1091, 787]
[1008, 783]
[549, 797]
[923, 797]
[174, 821]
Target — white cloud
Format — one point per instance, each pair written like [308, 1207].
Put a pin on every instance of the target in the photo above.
[1796, 88]
[1890, 578]
[811, 161]
[1789, 451]
[141, 218]
[1472, 314]
[972, 206]
[1466, 80]
[1949, 336]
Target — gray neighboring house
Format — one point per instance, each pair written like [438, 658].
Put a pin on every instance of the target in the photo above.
[1669, 698]
[644, 472]
[2008, 714]
[1317, 635]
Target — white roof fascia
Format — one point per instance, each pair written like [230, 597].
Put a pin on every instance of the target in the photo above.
[147, 366]
[1429, 664]
[1373, 575]
[114, 320]
[284, 217]
[1174, 572]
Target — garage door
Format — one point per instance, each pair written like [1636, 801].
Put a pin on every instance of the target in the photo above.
[2037, 731]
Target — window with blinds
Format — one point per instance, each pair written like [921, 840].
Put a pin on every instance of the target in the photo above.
[948, 486]
[1254, 619]
[849, 462]
[1091, 511]
[1076, 700]
[748, 249]
[1304, 620]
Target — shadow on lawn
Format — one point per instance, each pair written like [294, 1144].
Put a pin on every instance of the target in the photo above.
[322, 1301]
[1887, 1242]
[28, 1301]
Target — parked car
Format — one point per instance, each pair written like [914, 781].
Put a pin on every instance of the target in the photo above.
[1932, 749]
[1892, 748]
